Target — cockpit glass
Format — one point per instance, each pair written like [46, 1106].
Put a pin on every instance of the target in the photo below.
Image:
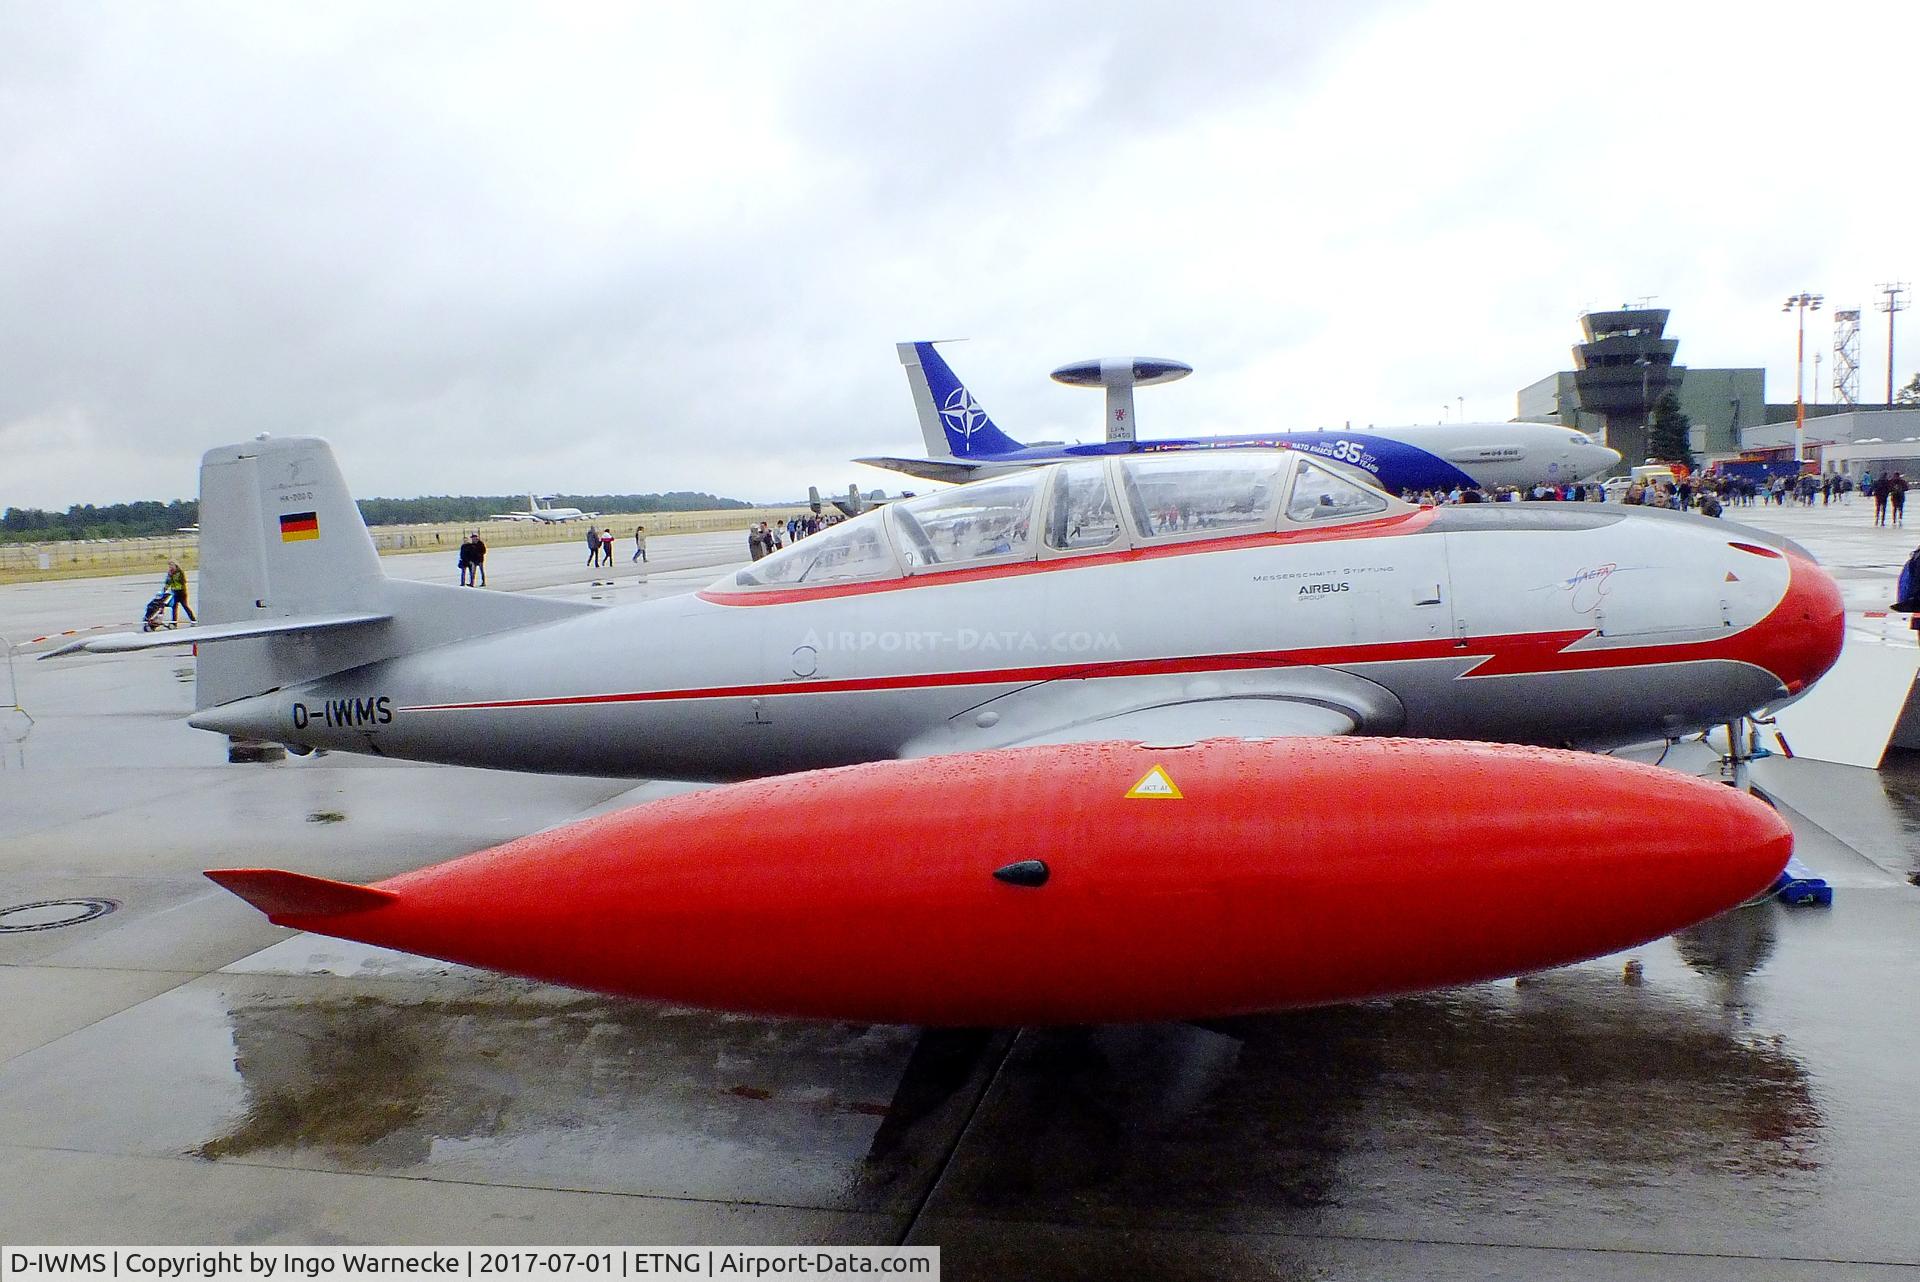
[987, 520]
[848, 552]
[1194, 492]
[1321, 495]
[1080, 511]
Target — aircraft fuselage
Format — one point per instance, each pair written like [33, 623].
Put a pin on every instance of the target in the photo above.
[1550, 624]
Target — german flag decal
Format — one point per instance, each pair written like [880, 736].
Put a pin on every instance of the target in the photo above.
[296, 526]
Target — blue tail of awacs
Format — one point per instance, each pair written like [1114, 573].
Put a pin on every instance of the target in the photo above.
[950, 418]
[962, 439]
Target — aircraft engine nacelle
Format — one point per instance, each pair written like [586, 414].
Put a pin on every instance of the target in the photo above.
[1084, 882]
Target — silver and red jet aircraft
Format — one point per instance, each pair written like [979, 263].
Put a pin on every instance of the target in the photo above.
[1139, 732]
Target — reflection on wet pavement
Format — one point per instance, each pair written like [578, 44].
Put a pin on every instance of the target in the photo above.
[1570, 1097]
[1899, 777]
[534, 1082]
[1730, 948]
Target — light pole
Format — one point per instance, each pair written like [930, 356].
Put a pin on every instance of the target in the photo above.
[1646, 407]
[1800, 302]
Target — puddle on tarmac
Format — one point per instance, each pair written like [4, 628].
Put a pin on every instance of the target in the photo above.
[1571, 1092]
[1899, 777]
[522, 1083]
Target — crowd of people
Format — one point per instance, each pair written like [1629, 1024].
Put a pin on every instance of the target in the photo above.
[1708, 493]
[1681, 496]
[1585, 492]
[600, 545]
[768, 537]
[1782, 490]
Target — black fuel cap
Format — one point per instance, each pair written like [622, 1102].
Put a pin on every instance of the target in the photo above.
[1028, 872]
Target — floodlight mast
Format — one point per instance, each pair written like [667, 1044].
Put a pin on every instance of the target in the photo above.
[1801, 302]
[1894, 303]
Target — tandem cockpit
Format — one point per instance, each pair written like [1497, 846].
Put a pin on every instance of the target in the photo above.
[1082, 508]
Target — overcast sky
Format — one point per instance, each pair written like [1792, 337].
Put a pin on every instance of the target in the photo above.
[604, 248]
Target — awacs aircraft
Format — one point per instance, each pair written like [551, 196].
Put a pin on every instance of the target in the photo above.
[964, 443]
[540, 508]
[1151, 736]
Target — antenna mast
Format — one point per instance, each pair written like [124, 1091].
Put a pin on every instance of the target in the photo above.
[1846, 358]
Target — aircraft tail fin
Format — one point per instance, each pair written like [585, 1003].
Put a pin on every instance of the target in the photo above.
[290, 894]
[290, 582]
[952, 422]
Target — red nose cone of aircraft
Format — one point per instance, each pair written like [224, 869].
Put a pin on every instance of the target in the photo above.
[1084, 882]
[1805, 631]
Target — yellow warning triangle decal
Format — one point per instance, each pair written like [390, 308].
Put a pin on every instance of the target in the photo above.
[1732, 577]
[1155, 785]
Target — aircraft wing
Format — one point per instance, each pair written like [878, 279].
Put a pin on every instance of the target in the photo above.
[1308, 702]
[1184, 723]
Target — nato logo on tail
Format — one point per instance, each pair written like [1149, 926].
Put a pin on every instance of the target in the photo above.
[963, 414]
[968, 428]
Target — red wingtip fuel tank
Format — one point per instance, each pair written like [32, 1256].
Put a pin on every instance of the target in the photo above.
[1227, 877]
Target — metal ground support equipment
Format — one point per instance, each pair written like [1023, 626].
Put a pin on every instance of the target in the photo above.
[15, 722]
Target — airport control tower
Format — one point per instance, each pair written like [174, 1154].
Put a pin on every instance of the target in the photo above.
[1622, 371]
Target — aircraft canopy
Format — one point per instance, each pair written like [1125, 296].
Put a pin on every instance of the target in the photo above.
[1074, 509]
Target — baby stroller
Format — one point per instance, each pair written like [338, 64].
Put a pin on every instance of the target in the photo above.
[155, 607]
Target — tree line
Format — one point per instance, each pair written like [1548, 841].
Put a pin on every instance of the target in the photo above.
[150, 517]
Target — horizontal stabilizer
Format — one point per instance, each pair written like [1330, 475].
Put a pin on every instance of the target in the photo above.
[122, 642]
[291, 894]
[930, 469]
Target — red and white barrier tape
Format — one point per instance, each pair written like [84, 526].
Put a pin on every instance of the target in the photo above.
[71, 632]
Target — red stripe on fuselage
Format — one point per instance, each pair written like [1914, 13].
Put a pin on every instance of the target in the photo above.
[1386, 526]
[1517, 655]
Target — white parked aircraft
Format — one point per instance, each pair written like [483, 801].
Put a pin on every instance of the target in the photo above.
[539, 508]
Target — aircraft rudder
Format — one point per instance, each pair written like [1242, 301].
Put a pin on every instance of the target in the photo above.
[280, 538]
[279, 532]
[951, 421]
